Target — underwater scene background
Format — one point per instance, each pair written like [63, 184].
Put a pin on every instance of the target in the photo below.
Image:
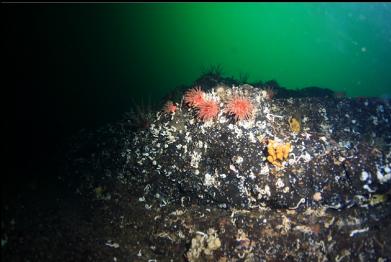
[256, 131]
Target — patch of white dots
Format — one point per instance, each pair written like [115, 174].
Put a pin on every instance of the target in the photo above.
[279, 183]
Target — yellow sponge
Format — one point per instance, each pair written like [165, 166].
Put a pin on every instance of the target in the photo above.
[277, 152]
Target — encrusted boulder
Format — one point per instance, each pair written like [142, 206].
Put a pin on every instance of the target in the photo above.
[340, 155]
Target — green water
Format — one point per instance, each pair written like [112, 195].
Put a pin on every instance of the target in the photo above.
[84, 64]
[342, 46]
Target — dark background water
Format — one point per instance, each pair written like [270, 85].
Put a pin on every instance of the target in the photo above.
[73, 66]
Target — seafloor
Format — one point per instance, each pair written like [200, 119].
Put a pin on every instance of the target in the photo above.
[160, 186]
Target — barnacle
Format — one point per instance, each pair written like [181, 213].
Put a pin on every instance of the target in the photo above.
[203, 243]
[277, 152]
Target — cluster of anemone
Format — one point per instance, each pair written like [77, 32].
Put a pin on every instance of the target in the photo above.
[207, 109]
[169, 107]
[239, 107]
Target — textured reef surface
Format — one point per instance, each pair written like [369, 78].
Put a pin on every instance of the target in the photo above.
[331, 152]
[234, 173]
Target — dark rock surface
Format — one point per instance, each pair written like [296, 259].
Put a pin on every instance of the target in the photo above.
[181, 189]
[222, 162]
